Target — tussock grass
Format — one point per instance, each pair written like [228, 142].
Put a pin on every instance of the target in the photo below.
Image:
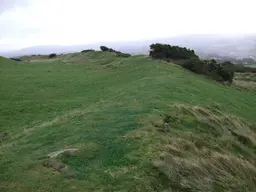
[247, 85]
[245, 81]
[203, 149]
[245, 76]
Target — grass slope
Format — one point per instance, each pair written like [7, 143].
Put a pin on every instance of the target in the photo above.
[138, 125]
[6, 61]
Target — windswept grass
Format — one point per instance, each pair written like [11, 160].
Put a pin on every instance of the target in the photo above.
[200, 149]
[138, 124]
[245, 81]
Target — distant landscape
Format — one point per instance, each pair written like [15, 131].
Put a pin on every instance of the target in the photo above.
[219, 47]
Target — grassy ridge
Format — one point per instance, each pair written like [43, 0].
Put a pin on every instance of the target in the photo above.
[113, 110]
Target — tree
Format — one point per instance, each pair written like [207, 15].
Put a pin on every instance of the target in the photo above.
[189, 60]
[195, 65]
[118, 53]
[225, 74]
[52, 55]
[104, 48]
[168, 52]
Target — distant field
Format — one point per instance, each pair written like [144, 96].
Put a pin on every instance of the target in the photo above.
[252, 65]
[137, 124]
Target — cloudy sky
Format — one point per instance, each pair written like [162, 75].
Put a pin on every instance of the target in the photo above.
[25, 23]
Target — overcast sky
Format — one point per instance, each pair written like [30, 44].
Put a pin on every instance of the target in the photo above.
[25, 23]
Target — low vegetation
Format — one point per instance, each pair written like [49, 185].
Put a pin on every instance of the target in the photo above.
[87, 50]
[118, 53]
[16, 59]
[246, 81]
[168, 52]
[52, 55]
[223, 72]
[215, 155]
[133, 124]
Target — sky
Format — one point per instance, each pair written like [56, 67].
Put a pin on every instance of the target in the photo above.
[25, 23]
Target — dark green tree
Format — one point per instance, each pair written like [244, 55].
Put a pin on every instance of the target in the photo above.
[168, 52]
[104, 48]
[87, 50]
[52, 55]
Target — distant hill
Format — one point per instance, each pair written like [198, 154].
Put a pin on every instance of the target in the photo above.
[205, 45]
[6, 61]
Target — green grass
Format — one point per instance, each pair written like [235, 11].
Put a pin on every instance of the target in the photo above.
[138, 124]
[34, 57]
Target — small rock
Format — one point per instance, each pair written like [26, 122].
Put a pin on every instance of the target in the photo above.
[64, 169]
[57, 166]
[69, 174]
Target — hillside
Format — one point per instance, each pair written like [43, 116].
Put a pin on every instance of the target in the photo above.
[6, 61]
[135, 124]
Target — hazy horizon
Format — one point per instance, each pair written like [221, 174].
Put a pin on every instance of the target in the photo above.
[27, 23]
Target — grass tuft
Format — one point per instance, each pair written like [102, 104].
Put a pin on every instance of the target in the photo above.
[204, 151]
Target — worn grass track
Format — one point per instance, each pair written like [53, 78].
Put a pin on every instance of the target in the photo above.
[126, 116]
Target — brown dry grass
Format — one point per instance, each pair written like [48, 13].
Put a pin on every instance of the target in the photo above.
[44, 60]
[245, 81]
[203, 150]
[248, 85]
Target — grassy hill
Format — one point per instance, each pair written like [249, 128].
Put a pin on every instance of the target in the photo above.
[6, 61]
[137, 124]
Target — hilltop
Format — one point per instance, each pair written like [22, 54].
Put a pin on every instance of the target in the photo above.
[137, 124]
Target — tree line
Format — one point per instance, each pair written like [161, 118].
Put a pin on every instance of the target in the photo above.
[223, 72]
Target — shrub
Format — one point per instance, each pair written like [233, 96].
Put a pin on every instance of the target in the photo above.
[167, 52]
[118, 53]
[123, 55]
[219, 72]
[210, 66]
[113, 51]
[53, 55]
[194, 65]
[87, 50]
[189, 60]
[15, 59]
[227, 74]
[104, 48]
